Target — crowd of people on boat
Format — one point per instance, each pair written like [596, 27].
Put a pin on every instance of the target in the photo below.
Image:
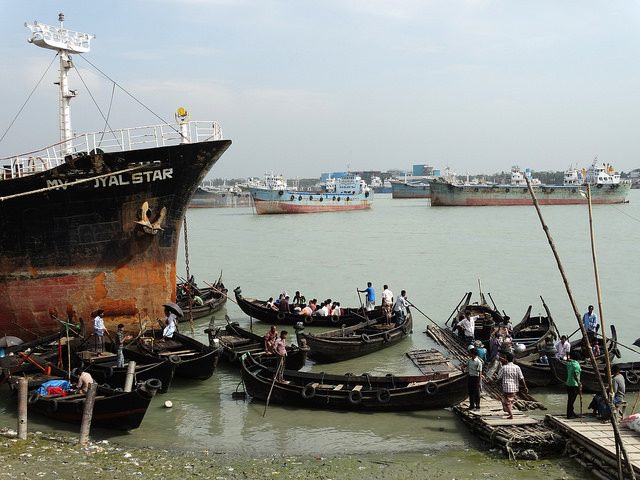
[393, 309]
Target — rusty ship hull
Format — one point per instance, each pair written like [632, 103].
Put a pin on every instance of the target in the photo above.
[98, 231]
[447, 194]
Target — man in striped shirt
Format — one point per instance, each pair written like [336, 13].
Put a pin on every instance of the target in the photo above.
[511, 376]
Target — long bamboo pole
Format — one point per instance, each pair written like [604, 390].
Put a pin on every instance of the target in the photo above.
[614, 422]
[599, 294]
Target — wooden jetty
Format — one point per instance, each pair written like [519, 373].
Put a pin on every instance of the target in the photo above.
[523, 436]
[592, 444]
[432, 362]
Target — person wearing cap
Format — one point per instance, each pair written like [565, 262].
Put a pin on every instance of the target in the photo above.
[482, 351]
[474, 366]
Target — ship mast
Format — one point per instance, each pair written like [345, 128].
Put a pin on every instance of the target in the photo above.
[64, 42]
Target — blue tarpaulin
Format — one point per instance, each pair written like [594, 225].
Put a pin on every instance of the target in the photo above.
[53, 383]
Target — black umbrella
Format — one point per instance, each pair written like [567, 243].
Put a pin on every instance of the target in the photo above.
[9, 341]
[174, 308]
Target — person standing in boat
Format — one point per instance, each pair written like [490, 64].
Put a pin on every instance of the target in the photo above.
[563, 347]
[467, 326]
[270, 340]
[574, 386]
[121, 337]
[591, 325]
[281, 351]
[169, 325]
[99, 330]
[511, 376]
[370, 301]
[400, 307]
[387, 304]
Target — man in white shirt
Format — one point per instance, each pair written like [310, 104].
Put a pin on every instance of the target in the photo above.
[400, 307]
[467, 326]
[387, 304]
[563, 347]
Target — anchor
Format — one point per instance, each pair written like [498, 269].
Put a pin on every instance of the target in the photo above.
[147, 225]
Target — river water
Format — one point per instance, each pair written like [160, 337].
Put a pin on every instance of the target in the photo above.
[436, 254]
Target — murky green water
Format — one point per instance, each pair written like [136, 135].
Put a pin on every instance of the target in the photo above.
[436, 254]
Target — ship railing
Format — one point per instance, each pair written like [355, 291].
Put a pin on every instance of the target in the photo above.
[135, 138]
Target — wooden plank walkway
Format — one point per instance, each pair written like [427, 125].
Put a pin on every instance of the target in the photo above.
[520, 437]
[592, 444]
[432, 362]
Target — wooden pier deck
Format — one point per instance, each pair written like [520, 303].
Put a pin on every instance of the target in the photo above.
[521, 437]
[591, 443]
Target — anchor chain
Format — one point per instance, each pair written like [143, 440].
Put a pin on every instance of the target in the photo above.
[186, 261]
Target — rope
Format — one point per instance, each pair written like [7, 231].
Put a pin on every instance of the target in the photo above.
[27, 100]
[106, 121]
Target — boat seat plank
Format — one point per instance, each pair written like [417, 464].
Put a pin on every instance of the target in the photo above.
[339, 387]
[357, 388]
[315, 385]
[178, 352]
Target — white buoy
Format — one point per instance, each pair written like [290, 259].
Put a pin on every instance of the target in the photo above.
[168, 404]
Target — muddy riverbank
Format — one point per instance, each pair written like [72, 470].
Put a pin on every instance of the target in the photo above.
[49, 456]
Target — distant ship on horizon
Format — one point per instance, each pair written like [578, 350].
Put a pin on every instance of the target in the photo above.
[606, 188]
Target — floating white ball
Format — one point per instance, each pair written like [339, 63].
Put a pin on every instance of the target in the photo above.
[168, 404]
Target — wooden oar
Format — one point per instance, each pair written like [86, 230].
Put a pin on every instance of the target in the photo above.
[275, 377]
[424, 314]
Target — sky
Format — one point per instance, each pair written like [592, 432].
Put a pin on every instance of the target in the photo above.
[304, 87]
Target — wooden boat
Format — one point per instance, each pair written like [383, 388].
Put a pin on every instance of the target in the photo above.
[487, 317]
[113, 409]
[588, 377]
[355, 341]
[236, 341]
[351, 392]
[258, 309]
[107, 372]
[535, 333]
[204, 301]
[193, 359]
[540, 374]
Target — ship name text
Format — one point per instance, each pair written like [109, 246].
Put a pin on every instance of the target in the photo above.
[121, 179]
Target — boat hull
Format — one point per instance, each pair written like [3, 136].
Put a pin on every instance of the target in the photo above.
[203, 199]
[447, 194]
[351, 392]
[287, 201]
[353, 342]
[407, 190]
[72, 248]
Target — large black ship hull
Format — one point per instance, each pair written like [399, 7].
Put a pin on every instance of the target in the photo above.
[81, 236]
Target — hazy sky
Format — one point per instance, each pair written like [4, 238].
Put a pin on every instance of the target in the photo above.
[304, 86]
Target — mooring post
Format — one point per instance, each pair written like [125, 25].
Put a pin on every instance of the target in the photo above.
[131, 370]
[23, 386]
[87, 413]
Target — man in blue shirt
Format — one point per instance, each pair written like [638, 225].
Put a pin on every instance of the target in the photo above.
[590, 321]
[371, 297]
